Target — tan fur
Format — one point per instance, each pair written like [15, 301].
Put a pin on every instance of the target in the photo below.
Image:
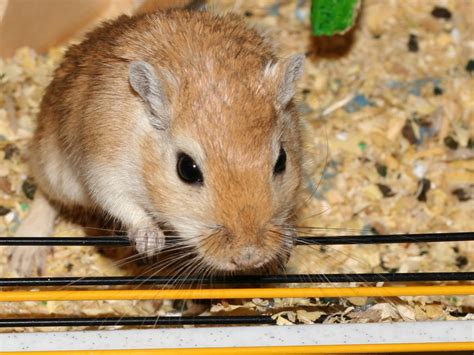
[95, 146]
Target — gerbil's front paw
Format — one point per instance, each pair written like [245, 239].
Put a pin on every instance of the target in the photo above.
[28, 261]
[148, 241]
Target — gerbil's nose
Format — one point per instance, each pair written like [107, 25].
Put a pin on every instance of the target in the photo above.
[248, 257]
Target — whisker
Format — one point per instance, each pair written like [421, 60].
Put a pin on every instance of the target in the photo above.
[325, 166]
[352, 271]
[352, 230]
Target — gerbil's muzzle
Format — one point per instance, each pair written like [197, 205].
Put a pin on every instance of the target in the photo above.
[230, 251]
[249, 257]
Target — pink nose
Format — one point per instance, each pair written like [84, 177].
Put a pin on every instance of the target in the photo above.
[248, 257]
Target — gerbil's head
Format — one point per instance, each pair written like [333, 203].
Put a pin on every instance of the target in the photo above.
[222, 164]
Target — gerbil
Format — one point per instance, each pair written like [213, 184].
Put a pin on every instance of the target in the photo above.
[183, 119]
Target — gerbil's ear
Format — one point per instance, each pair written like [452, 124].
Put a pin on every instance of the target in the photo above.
[144, 81]
[286, 72]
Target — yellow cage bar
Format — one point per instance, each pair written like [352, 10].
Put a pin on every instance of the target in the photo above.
[311, 349]
[88, 295]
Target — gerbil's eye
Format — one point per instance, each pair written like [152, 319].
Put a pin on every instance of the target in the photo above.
[280, 164]
[188, 170]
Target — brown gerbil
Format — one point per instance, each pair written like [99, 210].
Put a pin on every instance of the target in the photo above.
[183, 119]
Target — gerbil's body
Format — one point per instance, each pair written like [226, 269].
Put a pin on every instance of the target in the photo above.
[177, 119]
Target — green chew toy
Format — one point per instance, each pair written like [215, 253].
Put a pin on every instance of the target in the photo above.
[329, 17]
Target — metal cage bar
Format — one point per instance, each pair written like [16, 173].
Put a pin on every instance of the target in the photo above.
[302, 240]
[242, 279]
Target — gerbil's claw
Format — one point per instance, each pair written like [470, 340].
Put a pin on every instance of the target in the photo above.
[148, 241]
[28, 261]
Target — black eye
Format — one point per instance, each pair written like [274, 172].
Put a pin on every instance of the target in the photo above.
[188, 170]
[280, 164]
